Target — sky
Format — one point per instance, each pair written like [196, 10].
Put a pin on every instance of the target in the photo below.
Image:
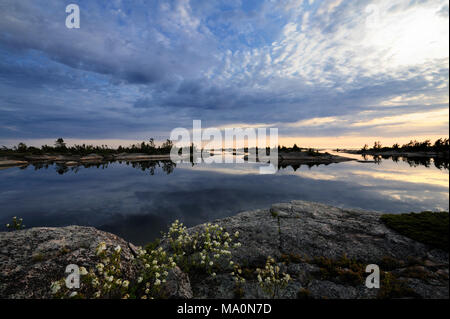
[325, 73]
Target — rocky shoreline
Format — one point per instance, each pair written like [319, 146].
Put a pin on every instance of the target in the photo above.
[76, 160]
[324, 249]
[292, 158]
[398, 153]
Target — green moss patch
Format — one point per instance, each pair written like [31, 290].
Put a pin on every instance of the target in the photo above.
[425, 227]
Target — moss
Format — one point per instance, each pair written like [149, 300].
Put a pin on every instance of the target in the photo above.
[343, 270]
[64, 250]
[426, 227]
[304, 294]
[391, 287]
[238, 292]
[248, 273]
[416, 272]
[389, 263]
[37, 257]
[292, 258]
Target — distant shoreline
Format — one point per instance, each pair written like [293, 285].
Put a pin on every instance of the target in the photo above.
[285, 158]
[399, 153]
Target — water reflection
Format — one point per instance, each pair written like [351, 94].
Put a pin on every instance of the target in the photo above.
[137, 200]
[438, 162]
[166, 166]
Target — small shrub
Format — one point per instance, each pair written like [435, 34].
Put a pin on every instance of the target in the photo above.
[271, 280]
[391, 287]
[343, 270]
[389, 263]
[16, 224]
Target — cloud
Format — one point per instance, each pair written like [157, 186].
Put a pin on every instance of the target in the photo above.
[137, 68]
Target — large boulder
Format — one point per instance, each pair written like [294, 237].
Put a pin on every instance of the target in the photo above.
[31, 259]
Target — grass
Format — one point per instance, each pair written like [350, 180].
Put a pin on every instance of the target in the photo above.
[343, 270]
[425, 227]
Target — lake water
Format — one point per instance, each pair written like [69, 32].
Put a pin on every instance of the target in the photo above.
[139, 202]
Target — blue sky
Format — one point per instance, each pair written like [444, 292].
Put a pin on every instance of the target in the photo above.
[326, 73]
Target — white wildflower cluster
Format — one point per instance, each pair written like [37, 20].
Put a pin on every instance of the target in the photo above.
[105, 281]
[270, 279]
[237, 274]
[209, 249]
[16, 224]
[155, 264]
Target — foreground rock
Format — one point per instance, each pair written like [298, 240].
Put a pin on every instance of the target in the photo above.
[324, 249]
[300, 232]
[31, 259]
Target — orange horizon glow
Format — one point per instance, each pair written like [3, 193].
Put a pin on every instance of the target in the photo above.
[328, 142]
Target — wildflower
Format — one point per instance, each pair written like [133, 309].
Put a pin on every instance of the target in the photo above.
[99, 266]
[83, 271]
[97, 294]
[157, 282]
[117, 249]
[101, 248]
[231, 263]
[236, 234]
[211, 263]
[125, 283]
[213, 274]
[144, 297]
[55, 287]
[73, 294]
[140, 280]
[157, 275]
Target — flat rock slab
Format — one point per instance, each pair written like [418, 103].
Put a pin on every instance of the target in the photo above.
[31, 259]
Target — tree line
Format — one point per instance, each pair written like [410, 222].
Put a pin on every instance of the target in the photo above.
[60, 147]
[440, 145]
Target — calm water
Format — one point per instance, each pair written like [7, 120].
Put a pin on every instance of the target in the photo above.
[139, 202]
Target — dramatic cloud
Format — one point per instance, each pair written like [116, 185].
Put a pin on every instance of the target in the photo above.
[137, 69]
